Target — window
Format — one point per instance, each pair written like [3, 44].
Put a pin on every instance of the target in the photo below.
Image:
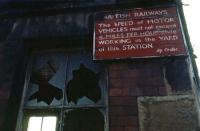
[65, 89]
[46, 123]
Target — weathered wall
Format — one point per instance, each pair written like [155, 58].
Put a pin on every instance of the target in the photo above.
[132, 80]
[172, 113]
[128, 80]
[11, 73]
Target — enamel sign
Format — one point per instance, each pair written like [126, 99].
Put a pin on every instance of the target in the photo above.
[138, 33]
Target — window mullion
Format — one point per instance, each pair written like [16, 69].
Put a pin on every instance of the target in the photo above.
[61, 122]
[41, 124]
[66, 71]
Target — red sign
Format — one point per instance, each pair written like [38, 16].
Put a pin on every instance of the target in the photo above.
[138, 33]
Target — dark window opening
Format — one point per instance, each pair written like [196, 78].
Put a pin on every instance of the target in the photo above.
[84, 83]
[84, 120]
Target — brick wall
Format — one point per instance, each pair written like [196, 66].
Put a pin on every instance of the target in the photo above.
[128, 81]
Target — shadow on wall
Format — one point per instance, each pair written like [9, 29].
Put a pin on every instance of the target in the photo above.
[177, 75]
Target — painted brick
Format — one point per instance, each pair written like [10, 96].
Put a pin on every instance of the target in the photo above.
[124, 73]
[115, 92]
[138, 81]
[150, 91]
[123, 110]
[130, 110]
[116, 83]
[152, 81]
[116, 111]
[126, 92]
[123, 101]
[124, 121]
[139, 69]
[135, 82]
[136, 88]
[130, 120]
[136, 91]
[116, 67]
[126, 83]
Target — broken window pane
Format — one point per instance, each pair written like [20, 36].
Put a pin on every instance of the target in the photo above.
[47, 80]
[83, 81]
[69, 82]
[90, 119]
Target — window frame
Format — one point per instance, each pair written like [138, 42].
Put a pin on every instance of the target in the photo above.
[37, 113]
[26, 112]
